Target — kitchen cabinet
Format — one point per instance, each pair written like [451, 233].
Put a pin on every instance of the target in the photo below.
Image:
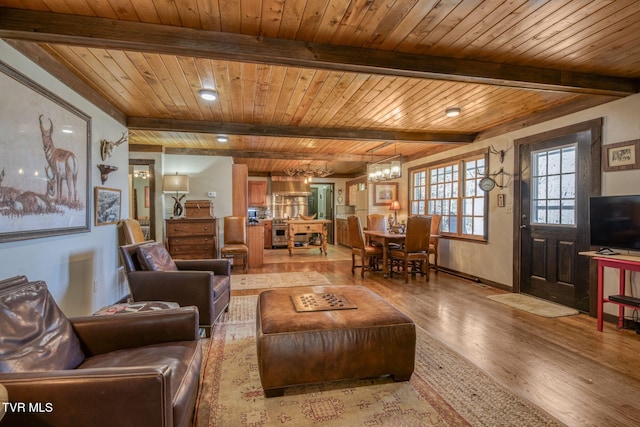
[195, 238]
[342, 232]
[239, 195]
[267, 234]
[255, 243]
[258, 193]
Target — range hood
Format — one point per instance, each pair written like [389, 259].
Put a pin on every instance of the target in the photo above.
[290, 188]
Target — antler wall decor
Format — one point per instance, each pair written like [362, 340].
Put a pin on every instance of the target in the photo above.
[308, 172]
[106, 147]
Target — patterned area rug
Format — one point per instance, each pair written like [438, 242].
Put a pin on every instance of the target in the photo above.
[445, 389]
[534, 305]
[276, 280]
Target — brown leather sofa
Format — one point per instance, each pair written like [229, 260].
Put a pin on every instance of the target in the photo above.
[139, 369]
[205, 283]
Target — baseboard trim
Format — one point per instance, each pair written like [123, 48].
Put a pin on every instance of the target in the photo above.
[476, 279]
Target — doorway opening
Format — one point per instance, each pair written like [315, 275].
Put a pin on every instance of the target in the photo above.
[142, 195]
[557, 172]
[321, 203]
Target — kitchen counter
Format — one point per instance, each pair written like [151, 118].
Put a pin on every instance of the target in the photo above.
[307, 226]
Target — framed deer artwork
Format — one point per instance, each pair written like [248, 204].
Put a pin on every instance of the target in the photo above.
[45, 152]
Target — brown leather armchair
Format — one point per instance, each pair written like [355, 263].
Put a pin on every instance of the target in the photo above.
[139, 369]
[205, 283]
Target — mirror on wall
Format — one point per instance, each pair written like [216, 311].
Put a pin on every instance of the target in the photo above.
[142, 195]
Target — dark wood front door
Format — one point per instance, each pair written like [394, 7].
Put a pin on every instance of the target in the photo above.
[555, 179]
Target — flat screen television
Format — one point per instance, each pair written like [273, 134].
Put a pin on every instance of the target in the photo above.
[615, 222]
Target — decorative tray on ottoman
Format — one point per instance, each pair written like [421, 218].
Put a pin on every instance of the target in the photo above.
[321, 302]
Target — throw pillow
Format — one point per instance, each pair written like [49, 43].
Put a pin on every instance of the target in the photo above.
[155, 257]
[36, 335]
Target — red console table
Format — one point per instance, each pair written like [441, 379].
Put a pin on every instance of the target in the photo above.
[622, 263]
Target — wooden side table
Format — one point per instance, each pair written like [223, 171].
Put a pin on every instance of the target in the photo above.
[622, 263]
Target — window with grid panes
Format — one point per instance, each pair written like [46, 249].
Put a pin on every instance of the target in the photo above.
[473, 201]
[553, 182]
[456, 197]
[443, 196]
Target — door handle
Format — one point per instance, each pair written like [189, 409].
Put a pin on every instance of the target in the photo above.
[523, 227]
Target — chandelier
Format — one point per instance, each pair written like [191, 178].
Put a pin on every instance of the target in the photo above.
[141, 174]
[308, 173]
[385, 170]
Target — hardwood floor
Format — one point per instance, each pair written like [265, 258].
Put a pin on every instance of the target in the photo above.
[564, 365]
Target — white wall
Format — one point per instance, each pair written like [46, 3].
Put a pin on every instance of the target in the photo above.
[493, 260]
[72, 263]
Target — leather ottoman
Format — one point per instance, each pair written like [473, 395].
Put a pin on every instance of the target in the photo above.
[296, 348]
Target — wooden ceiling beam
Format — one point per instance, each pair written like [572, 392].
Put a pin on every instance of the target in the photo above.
[205, 126]
[106, 33]
[248, 154]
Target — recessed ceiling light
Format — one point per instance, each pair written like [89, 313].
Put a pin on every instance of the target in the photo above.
[222, 139]
[452, 112]
[208, 94]
[67, 129]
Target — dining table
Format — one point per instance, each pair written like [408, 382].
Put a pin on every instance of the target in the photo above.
[385, 237]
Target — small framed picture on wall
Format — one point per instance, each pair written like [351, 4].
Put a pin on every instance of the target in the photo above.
[384, 194]
[621, 156]
[107, 205]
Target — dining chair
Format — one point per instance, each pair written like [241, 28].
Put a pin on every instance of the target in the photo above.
[434, 239]
[376, 222]
[368, 254]
[415, 252]
[235, 239]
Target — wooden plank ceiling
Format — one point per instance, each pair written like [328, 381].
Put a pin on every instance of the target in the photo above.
[331, 83]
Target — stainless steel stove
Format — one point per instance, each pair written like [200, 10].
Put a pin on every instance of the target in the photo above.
[279, 228]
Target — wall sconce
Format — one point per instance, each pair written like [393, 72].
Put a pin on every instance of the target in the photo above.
[385, 170]
[178, 184]
[105, 170]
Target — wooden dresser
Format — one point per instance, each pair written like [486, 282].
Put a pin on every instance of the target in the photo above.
[192, 238]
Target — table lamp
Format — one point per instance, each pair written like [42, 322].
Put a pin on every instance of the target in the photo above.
[394, 206]
[178, 184]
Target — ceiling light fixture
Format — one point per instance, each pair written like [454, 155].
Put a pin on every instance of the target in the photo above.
[453, 112]
[208, 94]
[141, 174]
[222, 139]
[308, 173]
[385, 170]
